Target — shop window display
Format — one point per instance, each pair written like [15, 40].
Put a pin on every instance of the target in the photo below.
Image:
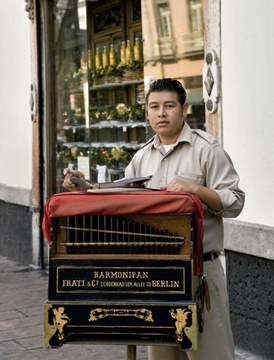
[101, 112]
[105, 54]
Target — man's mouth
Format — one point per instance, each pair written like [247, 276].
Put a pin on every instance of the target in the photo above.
[162, 123]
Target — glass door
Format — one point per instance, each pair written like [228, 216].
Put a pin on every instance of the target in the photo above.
[99, 88]
[104, 55]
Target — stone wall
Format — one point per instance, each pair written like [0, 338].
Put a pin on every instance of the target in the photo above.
[16, 232]
[251, 292]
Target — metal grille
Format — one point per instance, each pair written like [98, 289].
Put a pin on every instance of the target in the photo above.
[117, 235]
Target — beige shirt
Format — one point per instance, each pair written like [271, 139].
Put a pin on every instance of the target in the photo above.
[195, 157]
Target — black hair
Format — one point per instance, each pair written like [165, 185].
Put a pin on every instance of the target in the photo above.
[168, 84]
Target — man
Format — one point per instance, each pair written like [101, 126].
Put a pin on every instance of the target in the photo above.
[184, 159]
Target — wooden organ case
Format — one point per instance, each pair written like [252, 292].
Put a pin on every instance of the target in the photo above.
[126, 278]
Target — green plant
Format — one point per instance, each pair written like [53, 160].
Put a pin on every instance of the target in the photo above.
[97, 74]
[114, 71]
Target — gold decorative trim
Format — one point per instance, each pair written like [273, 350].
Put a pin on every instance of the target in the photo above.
[182, 330]
[121, 326]
[60, 319]
[190, 304]
[120, 333]
[99, 313]
[30, 9]
[56, 325]
[180, 315]
[192, 331]
[49, 330]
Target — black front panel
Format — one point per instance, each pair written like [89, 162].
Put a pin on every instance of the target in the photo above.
[124, 322]
[131, 279]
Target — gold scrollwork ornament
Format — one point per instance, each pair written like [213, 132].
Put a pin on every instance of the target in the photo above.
[180, 315]
[97, 314]
[60, 320]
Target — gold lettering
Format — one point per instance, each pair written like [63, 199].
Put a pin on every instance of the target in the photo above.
[66, 283]
[145, 274]
[120, 275]
[176, 284]
[165, 283]
[73, 283]
[99, 275]
[155, 283]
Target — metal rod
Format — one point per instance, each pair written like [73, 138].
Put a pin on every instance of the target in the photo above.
[67, 232]
[75, 232]
[84, 225]
[91, 226]
[98, 227]
[111, 228]
[172, 237]
[131, 352]
[122, 243]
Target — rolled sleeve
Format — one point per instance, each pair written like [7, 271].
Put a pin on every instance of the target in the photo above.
[227, 197]
[232, 201]
[223, 178]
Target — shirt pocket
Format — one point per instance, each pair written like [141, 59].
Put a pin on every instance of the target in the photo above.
[191, 177]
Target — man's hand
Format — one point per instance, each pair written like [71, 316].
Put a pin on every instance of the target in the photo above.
[182, 185]
[208, 196]
[67, 183]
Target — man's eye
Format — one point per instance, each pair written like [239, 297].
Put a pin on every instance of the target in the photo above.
[154, 107]
[170, 106]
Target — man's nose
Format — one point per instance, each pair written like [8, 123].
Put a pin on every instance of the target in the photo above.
[162, 111]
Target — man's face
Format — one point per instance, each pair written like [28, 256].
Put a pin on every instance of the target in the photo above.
[165, 115]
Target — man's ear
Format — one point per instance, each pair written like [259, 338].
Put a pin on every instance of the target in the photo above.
[184, 110]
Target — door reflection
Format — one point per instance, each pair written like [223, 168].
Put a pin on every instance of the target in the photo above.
[174, 47]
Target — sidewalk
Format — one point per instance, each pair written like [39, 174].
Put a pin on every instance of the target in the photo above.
[22, 294]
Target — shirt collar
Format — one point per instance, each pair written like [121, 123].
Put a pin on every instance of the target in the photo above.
[184, 136]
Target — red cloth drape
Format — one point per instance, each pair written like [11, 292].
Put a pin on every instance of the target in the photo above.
[121, 203]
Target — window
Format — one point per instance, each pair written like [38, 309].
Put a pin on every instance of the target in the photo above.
[196, 15]
[166, 45]
[165, 20]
